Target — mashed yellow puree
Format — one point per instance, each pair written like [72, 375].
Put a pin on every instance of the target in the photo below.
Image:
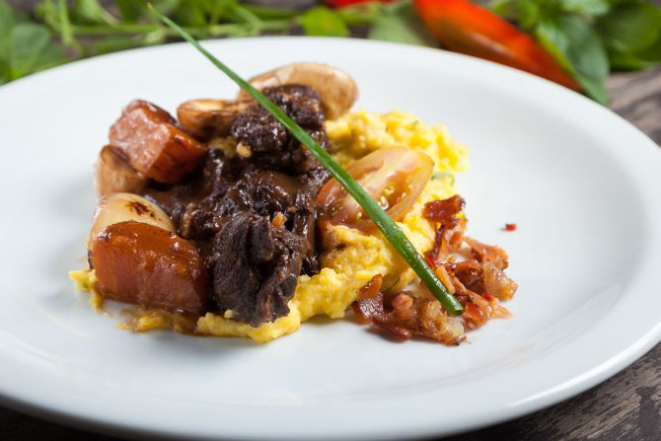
[348, 267]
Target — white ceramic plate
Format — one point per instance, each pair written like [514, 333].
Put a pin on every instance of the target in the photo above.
[582, 184]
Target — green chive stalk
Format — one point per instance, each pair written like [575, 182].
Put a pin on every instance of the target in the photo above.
[389, 229]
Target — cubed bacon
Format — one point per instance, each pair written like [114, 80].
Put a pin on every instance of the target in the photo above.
[401, 315]
[487, 253]
[445, 210]
[154, 144]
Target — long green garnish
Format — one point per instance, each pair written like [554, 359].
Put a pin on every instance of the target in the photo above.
[389, 229]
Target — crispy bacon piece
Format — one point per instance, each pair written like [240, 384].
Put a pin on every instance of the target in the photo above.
[487, 253]
[496, 282]
[370, 301]
[445, 210]
[450, 233]
[470, 274]
[479, 287]
[154, 144]
[403, 315]
[478, 282]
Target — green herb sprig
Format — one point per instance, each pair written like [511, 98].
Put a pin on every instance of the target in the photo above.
[389, 229]
[58, 31]
[589, 38]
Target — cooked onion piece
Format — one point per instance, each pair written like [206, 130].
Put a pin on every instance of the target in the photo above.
[113, 173]
[155, 146]
[139, 263]
[337, 90]
[394, 177]
[120, 207]
[207, 118]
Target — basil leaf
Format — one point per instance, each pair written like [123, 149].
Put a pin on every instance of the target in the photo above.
[573, 44]
[555, 42]
[7, 21]
[528, 13]
[91, 12]
[585, 51]
[112, 44]
[27, 42]
[593, 88]
[587, 8]
[31, 49]
[130, 10]
[392, 28]
[504, 8]
[190, 13]
[639, 60]
[631, 27]
[399, 23]
[323, 22]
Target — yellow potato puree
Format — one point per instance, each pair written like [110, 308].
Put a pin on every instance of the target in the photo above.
[359, 256]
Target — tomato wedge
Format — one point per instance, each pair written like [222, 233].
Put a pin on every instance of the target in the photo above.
[393, 177]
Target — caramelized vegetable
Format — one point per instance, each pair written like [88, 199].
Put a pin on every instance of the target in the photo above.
[394, 177]
[146, 265]
[207, 118]
[155, 146]
[113, 173]
[120, 207]
[337, 90]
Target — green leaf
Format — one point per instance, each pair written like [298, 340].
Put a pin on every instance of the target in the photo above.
[593, 88]
[6, 26]
[112, 44]
[504, 8]
[91, 12]
[555, 42]
[633, 61]
[51, 56]
[193, 13]
[575, 46]
[130, 10]
[397, 25]
[631, 27]
[393, 28]
[323, 22]
[66, 31]
[529, 13]
[28, 40]
[32, 49]
[166, 6]
[587, 8]
[585, 51]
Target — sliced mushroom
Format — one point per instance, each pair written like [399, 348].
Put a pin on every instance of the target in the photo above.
[113, 173]
[120, 207]
[207, 118]
[337, 90]
[143, 264]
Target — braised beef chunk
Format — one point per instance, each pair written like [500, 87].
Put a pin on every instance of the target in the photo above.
[256, 268]
[252, 216]
[268, 142]
[229, 186]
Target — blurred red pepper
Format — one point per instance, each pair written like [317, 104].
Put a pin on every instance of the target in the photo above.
[343, 3]
[464, 27]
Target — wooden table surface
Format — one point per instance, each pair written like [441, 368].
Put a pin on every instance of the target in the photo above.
[626, 407]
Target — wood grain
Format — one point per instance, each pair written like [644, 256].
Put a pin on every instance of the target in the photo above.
[627, 407]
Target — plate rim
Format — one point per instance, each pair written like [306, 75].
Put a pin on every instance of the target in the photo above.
[600, 372]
